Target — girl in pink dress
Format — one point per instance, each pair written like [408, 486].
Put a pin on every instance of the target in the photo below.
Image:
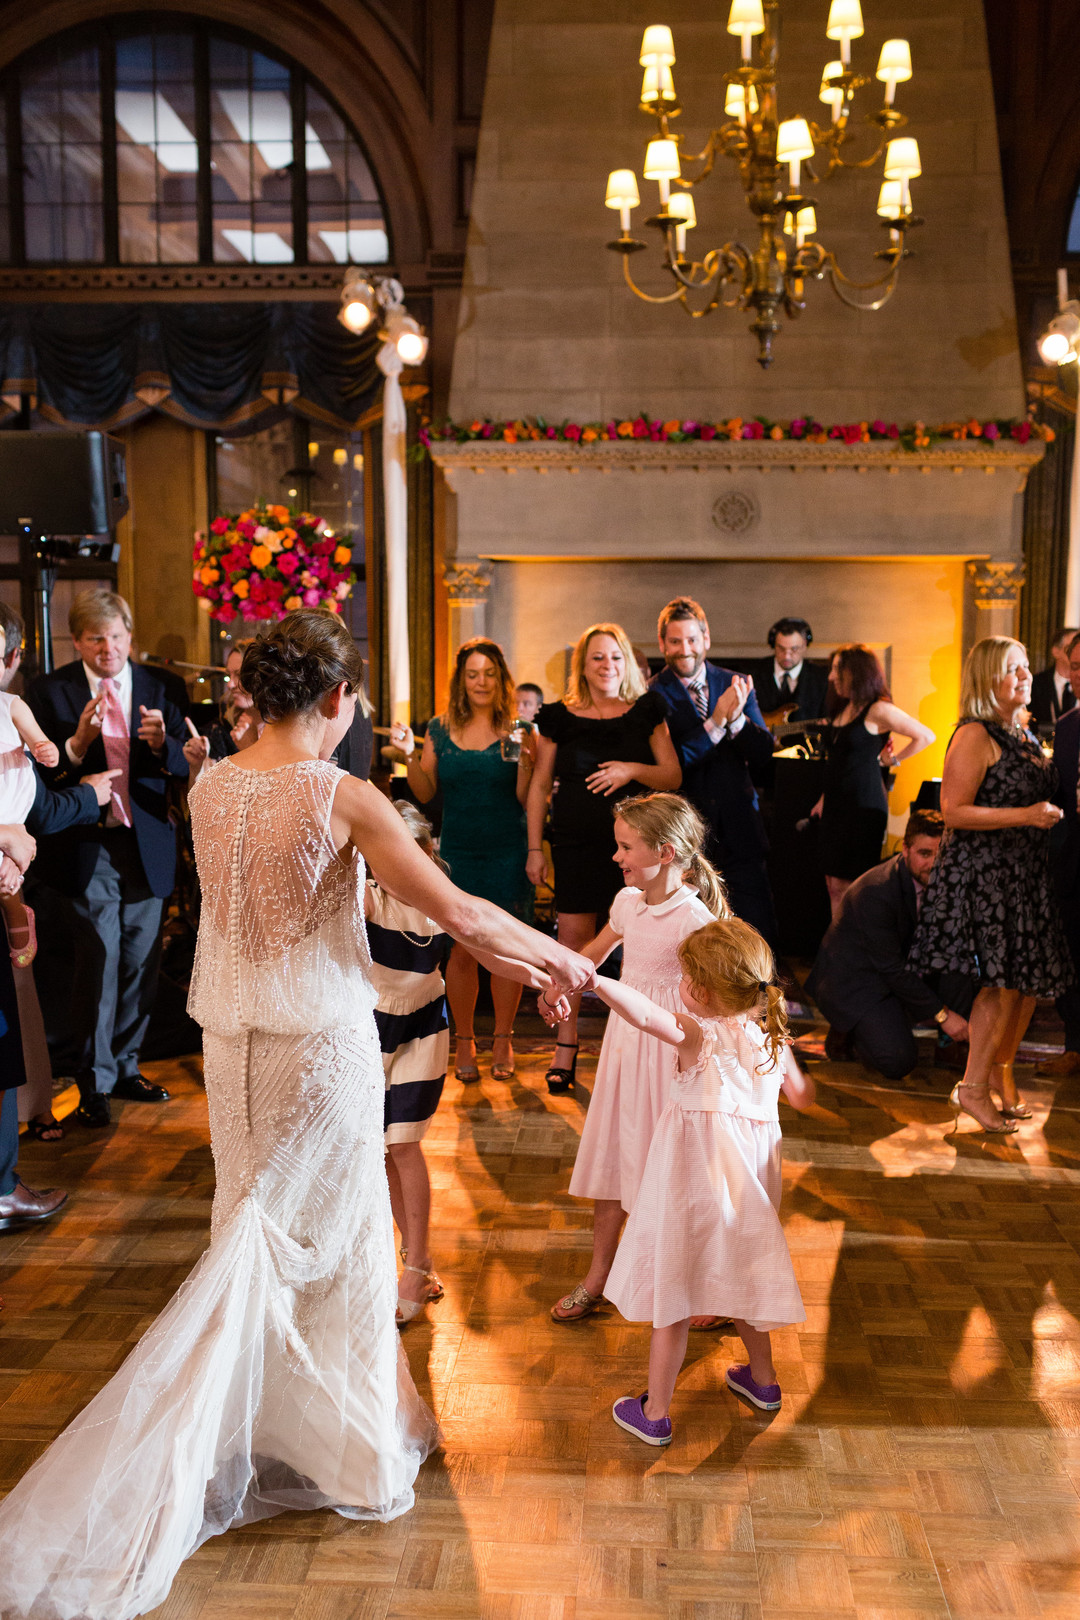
[704, 1233]
[671, 890]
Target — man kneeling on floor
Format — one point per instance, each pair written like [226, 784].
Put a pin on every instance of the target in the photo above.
[861, 980]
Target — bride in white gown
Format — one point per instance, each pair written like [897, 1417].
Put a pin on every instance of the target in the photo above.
[275, 1378]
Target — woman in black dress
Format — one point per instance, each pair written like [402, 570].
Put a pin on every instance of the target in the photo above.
[608, 737]
[990, 910]
[854, 808]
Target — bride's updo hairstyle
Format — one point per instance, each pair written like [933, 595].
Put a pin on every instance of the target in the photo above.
[305, 655]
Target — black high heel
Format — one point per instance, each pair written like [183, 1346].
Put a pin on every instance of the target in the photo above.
[560, 1080]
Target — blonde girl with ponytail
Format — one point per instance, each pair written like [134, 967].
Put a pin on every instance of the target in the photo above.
[704, 1234]
[670, 890]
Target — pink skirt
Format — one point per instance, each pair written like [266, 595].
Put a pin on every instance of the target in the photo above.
[704, 1236]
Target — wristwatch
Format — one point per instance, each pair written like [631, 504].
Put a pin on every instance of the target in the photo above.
[941, 1015]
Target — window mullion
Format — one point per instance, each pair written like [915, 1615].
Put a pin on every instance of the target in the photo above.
[109, 188]
[16, 189]
[204, 179]
[299, 168]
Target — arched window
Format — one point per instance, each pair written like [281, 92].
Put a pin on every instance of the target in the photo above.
[168, 140]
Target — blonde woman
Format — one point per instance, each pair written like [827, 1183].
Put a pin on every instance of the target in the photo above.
[483, 827]
[608, 736]
[989, 910]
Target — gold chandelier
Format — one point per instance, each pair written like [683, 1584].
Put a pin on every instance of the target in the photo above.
[772, 277]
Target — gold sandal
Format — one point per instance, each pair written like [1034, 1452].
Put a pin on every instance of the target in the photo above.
[409, 1309]
[1008, 1127]
[576, 1305]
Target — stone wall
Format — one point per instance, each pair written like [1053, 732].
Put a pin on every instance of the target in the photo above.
[548, 326]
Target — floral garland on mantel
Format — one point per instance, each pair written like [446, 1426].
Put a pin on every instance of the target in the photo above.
[802, 429]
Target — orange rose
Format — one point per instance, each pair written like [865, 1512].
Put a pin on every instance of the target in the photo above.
[674, 426]
[261, 556]
[625, 430]
[287, 542]
[293, 602]
[343, 555]
[588, 434]
[209, 576]
[286, 534]
[241, 588]
[509, 436]
[776, 431]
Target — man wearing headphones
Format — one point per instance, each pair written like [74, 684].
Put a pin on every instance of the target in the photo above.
[787, 678]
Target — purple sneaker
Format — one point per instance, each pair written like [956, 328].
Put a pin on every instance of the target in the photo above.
[764, 1396]
[629, 1414]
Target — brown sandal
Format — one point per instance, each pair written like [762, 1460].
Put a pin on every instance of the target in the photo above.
[576, 1305]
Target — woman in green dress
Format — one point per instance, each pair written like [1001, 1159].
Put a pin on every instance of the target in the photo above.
[483, 839]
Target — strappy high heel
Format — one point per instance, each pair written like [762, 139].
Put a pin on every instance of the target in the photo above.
[559, 1079]
[1008, 1127]
[409, 1309]
[1017, 1110]
[466, 1072]
[503, 1071]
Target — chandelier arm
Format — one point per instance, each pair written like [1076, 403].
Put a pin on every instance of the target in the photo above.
[839, 282]
[651, 298]
[708, 268]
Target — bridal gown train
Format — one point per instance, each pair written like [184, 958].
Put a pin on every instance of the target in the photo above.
[275, 1378]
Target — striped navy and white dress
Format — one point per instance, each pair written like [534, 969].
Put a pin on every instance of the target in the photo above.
[407, 951]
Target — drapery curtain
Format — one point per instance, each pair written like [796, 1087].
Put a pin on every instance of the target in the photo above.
[1046, 539]
[235, 366]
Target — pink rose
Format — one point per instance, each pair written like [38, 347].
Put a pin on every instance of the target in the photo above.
[312, 597]
[220, 525]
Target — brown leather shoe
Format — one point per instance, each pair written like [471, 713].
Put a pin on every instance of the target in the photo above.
[23, 1205]
[1064, 1064]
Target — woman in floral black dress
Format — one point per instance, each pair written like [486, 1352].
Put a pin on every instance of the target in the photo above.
[990, 911]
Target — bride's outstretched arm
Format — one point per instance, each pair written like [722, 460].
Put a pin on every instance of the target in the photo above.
[364, 817]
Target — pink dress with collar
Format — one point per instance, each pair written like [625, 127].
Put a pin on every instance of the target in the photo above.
[704, 1236]
[635, 1073]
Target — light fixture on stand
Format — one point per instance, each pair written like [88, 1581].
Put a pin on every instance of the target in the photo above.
[404, 343]
[1059, 344]
[770, 279]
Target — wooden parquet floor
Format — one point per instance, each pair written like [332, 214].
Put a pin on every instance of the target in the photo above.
[926, 1461]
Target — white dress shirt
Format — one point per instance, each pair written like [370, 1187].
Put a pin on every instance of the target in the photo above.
[1061, 686]
[123, 694]
[782, 675]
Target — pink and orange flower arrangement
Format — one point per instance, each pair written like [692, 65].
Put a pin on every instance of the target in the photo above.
[268, 561]
[914, 436]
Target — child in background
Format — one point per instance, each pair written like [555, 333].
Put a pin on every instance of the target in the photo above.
[671, 891]
[407, 954]
[19, 731]
[704, 1233]
[529, 699]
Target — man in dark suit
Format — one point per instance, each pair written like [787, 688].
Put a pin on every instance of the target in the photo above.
[861, 980]
[1052, 694]
[102, 712]
[722, 742]
[787, 677]
[1065, 843]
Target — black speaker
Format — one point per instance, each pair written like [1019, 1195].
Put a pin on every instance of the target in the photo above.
[61, 483]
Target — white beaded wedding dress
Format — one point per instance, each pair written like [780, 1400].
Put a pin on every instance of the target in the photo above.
[275, 1378]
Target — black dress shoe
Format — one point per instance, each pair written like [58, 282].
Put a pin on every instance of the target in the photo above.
[93, 1111]
[837, 1046]
[136, 1089]
[23, 1205]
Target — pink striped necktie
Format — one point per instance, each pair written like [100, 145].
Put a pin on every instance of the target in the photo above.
[117, 739]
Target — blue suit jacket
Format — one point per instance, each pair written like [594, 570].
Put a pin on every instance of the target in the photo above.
[717, 776]
[66, 860]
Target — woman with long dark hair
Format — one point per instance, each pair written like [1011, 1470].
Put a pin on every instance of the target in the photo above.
[483, 838]
[854, 807]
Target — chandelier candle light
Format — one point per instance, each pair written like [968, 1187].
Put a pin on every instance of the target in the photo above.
[772, 155]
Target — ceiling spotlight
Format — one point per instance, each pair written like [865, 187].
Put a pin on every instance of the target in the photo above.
[357, 303]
